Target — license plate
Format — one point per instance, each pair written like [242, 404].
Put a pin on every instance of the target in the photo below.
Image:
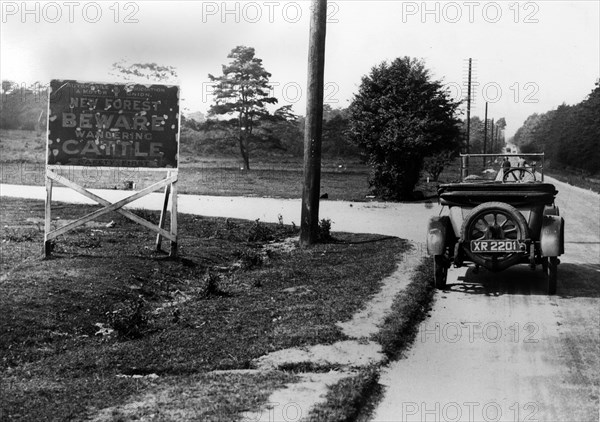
[496, 246]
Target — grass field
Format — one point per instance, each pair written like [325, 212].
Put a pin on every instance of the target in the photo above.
[576, 179]
[23, 162]
[107, 320]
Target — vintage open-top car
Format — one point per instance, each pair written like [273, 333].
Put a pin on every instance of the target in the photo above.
[500, 214]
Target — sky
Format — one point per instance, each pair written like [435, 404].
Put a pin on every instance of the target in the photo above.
[527, 56]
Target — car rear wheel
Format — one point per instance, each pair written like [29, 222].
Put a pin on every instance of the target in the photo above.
[440, 271]
[494, 221]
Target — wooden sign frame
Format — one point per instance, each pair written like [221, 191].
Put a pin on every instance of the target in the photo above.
[169, 183]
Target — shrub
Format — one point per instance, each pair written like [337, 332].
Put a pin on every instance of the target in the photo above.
[399, 117]
[325, 230]
[250, 259]
[260, 232]
[131, 319]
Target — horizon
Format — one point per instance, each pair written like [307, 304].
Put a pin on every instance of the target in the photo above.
[522, 63]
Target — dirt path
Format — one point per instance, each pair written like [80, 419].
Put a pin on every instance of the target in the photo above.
[503, 350]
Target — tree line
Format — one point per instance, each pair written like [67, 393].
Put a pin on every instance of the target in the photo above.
[280, 134]
[23, 106]
[569, 136]
[400, 122]
[240, 119]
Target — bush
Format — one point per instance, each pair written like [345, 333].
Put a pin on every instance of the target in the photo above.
[260, 232]
[399, 117]
[435, 164]
[131, 319]
[325, 230]
[250, 259]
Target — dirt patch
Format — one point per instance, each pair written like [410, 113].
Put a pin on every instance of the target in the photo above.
[295, 400]
[346, 354]
[367, 322]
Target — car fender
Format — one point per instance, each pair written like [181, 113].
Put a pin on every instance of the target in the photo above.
[551, 210]
[437, 232]
[552, 236]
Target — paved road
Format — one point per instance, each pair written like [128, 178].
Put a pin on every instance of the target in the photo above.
[495, 347]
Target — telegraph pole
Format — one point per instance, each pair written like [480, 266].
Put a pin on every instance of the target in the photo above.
[497, 134]
[309, 219]
[492, 138]
[485, 132]
[469, 107]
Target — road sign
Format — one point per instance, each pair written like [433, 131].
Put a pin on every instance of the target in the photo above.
[113, 125]
[108, 126]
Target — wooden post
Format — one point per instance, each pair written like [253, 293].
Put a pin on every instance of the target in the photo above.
[469, 108]
[163, 215]
[309, 220]
[48, 221]
[485, 130]
[492, 137]
[497, 136]
[173, 251]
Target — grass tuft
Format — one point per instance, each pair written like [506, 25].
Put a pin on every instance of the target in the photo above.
[347, 398]
[355, 397]
[131, 319]
[408, 310]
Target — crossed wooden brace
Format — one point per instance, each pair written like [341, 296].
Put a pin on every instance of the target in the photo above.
[169, 182]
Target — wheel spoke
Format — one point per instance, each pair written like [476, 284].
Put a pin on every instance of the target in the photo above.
[486, 225]
[481, 225]
[475, 237]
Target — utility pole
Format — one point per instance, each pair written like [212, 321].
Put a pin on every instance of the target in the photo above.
[485, 133]
[309, 219]
[469, 107]
[492, 138]
[497, 134]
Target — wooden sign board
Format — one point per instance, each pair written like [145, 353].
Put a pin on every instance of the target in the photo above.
[113, 125]
[108, 126]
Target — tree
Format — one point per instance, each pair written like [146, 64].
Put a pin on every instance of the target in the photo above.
[436, 163]
[22, 106]
[141, 72]
[498, 136]
[567, 135]
[477, 127]
[399, 117]
[524, 135]
[243, 91]
[336, 124]
[278, 132]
